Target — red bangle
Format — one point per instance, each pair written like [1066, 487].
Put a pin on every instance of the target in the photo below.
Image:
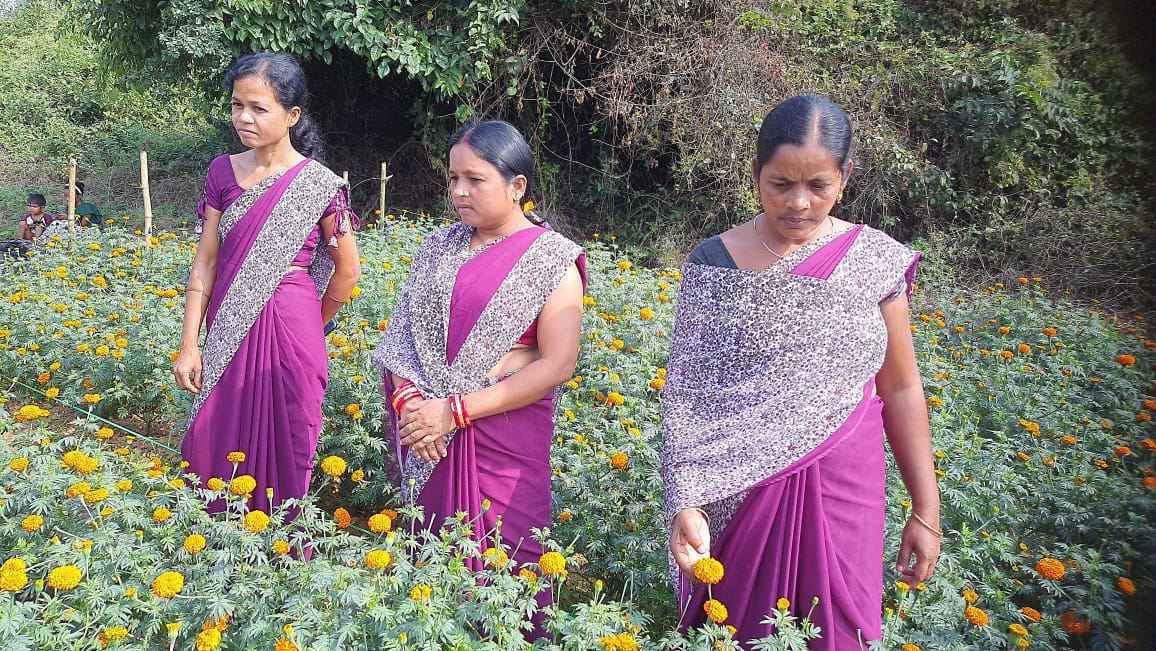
[462, 418]
[404, 393]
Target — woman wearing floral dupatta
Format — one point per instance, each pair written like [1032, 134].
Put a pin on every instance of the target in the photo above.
[488, 323]
[791, 356]
[275, 261]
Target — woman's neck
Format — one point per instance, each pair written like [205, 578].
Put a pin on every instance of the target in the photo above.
[277, 156]
[515, 223]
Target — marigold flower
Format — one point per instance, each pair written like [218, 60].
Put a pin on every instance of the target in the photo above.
[243, 485]
[91, 398]
[342, 517]
[13, 576]
[1125, 360]
[208, 639]
[1050, 569]
[1003, 330]
[619, 460]
[380, 523]
[235, 457]
[123, 485]
[378, 559]
[552, 563]
[357, 475]
[333, 465]
[1049, 332]
[1007, 354]
[708, 570]
[1143, 417]
[615, 399]
[495, 557]
[420, 592]
[1025, 349]
[910, 647]
[168, 584]
[160, 514]
[78, 489]
[65, 577]
[1126, 585]
[619, 642]
[19, 464]
[285, 644]
[657, 384]
[785, 604]
[528, 574]
[970, 596]
[281, 547]
[715, 610]
[1075, 624]
[32, 523]
[256, 521]
[1068, 439]
[194, 543]
[976, 616]
[1148, 403]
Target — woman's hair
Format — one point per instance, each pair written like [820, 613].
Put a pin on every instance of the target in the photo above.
[801, 120]
[36, 199]
[285, 76]
[501, 145]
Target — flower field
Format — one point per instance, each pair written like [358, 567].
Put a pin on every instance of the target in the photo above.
[1042, 428]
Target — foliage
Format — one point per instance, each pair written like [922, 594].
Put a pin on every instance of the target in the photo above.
[1011, 374]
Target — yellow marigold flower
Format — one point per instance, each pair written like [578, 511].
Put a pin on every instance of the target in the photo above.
[380, 523]
[1050, 569]
[1126, 585]
[104, 433]
[615, 399]
[1068, 439]
[970, 596]
[342, 517]
[160, 514]
[352, 409]
[715, 610]
[911, 647]
[65, 577]
[78, 489]
[708, 570]
[208, 639]
[235, 457]
[32, 523]
[552, 563]
[194, 543]
[243, 485]
[52, 392]
[168, 584]
[378, 559]
[91, 398]
[256, 521]
[624, 265]
[96, 496]
[123, 485]
[783, 603]
[975, 616]
[14, 578]
[115, 633]
[619, 460]
[19, 464]
[333, 465]
[646, 314]
[281, 547]
[420, 592]
[357, 475]
[87, 466]
[528, 574]
[657, 384]
[1017, 630]
[215, 484]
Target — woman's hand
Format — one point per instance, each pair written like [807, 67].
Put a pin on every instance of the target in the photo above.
[187, 369]
[689, 539]
[917, 539]
[423, 426]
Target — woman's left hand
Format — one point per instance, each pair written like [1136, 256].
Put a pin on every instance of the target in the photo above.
[424, 429]
[919, 541]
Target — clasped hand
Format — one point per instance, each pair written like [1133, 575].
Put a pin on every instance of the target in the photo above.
[423, 425]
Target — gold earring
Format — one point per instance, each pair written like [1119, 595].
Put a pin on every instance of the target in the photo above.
[840, 197]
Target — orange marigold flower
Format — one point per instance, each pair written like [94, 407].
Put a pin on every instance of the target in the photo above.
[1148, 444]
[619, 460]
[910, 647]
[1050, 569]
[1126, 585]
[1068, 439]
[1125, 360]
[78, 489]
[1025, 349]
[215, 484]
[342, 517]
[1007, 354]
[1031, 614]
[975, 616]
[1049, 332]
[708, 570]
[1075, 624]
[1143, 417]
[657, 384]
[715, 610]
[1003, 330]
[160, 514]
[1122, 450]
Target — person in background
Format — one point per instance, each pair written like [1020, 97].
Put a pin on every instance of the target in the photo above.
[86, 213]
[276, 260]
[487, 325]
[791, 356]
[33, 223]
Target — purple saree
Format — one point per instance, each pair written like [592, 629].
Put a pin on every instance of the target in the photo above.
[459, 313]
[264, 361]
[772, 427]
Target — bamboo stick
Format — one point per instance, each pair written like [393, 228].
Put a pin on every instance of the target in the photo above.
[72, 194]
[144, 188]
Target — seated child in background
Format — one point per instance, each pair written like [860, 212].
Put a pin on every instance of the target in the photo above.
[34, 222]
[86, 213]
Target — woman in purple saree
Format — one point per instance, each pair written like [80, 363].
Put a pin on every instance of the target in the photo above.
[488, 323]
[791, 356]
[274, 263]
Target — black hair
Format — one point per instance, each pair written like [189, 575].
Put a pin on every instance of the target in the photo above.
[285, 76]
[37, 199]
[78, 188]
[803, 119]
[500, 144]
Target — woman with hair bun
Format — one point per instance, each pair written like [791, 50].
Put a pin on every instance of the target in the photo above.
[276, 260]
[487, 325]
[791, 355]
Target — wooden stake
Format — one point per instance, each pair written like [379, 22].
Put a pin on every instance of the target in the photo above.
[71, 194]
[144, 188]
[345, 175]
[385, 177]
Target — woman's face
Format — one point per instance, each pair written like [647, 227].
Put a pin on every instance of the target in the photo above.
[258, 117]
[797, 188]
[482, 197]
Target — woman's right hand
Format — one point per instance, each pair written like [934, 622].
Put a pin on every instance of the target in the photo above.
[187, 369]
[689, 539]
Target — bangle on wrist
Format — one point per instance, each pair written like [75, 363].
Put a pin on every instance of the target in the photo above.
[335, 300]
[404, 393]
[705, 515]
[938, 532]
[461, 415]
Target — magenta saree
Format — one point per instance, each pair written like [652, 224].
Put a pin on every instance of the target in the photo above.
[771, 425]
[470, 309]
[264, 361]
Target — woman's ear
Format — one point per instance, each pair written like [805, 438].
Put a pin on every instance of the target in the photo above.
[519, 185]
[294, 116]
